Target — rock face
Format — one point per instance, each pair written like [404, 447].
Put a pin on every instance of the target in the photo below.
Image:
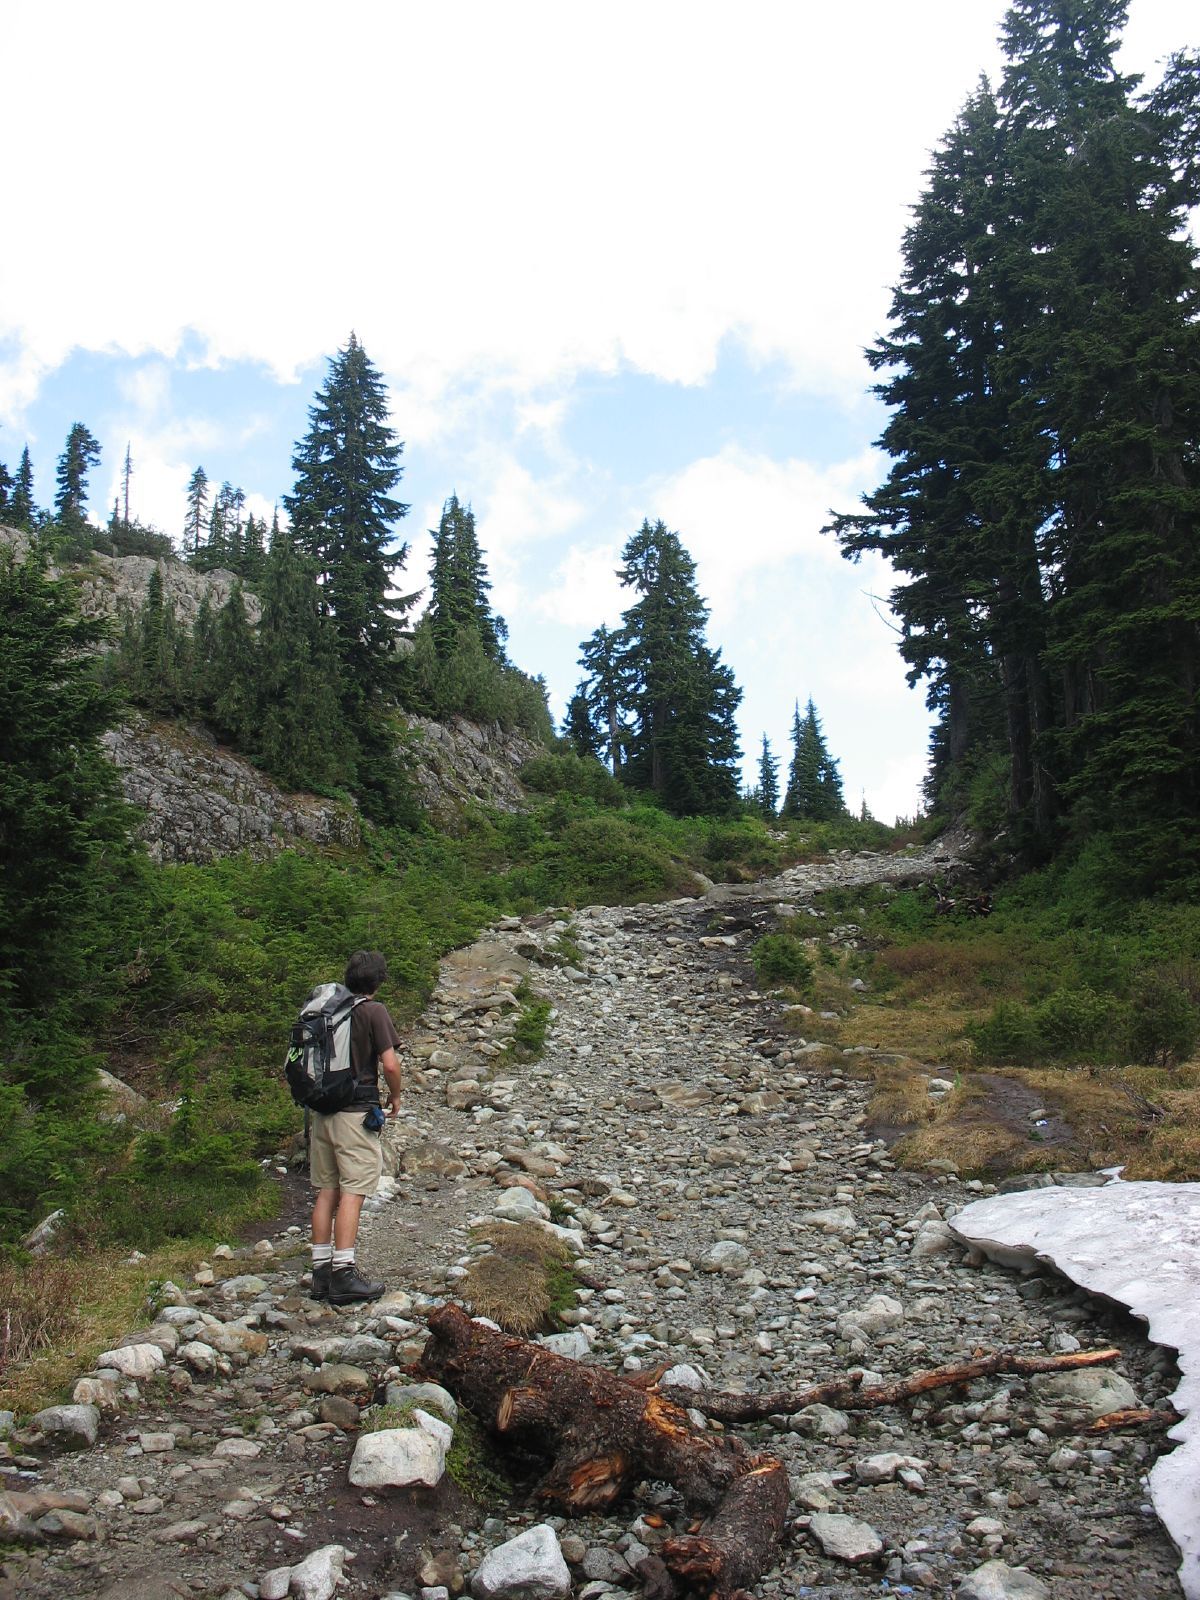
[201, 801]
[457, 762]
[1138, 1244]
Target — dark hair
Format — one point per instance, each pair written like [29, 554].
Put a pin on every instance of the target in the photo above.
[365, 971]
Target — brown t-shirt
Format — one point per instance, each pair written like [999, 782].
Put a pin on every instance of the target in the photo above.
[371, 1033]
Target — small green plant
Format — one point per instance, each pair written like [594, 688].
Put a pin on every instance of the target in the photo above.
[781, 960]
[528, 1038]
[475, 1466]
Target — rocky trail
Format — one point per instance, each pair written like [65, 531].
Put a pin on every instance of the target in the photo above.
[733, 1217]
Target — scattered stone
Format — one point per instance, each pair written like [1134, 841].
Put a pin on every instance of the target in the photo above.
[845, 1538]
[996, 1580]
[69, 1427]
[529, 1567]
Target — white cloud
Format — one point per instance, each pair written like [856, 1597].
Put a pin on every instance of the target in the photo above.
[583, 591]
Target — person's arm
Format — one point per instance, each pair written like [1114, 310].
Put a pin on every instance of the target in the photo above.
[390, 1062]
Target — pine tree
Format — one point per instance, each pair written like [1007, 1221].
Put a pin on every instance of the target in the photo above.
[22, 511]
[79, 456]
[682, 746]
[579, 728]
[6, 487]
[126, 475]
[62, 823]
[459, 588]
[814, 791]
[196, 519]
[233, 666]
[299, 735]
[343, 513]
[767, 793]
[605, 693]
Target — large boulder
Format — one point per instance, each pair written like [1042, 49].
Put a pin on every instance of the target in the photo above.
[529, 1567]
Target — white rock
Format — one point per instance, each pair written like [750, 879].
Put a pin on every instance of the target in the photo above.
[316, 1577]
[134, 1360]
[574, 1345]
[933, 1239]
[101, 1392]
[883, 1468]
[845, 1538]
[518, 1205]
[879, 1314]
[837, 1221]
[529, 1567]
[397, 1457]
[1138, 1244]
[274, 1585]
[200, 1357]
[726, 1255]
[683, 1376]
[1095, 1393]
[237, 1450]
[996, 1580]
[72, 1427]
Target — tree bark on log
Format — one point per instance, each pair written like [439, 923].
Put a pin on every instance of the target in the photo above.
[602, 1435]
[849, 1395]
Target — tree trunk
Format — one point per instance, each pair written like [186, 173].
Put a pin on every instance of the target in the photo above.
[603, 1434]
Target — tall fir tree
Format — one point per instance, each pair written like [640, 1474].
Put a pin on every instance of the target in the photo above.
[814, 790]
[80, 455]
[195, 521]
[22, 511]
[6, 488]
[343, 515]
[459, 591]
[682, 745]
[604, 694]
[299, 735]
[768, 781]
[1043, 500]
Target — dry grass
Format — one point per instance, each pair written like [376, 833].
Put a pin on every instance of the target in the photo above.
[975, 1148]
[901, 1098]
[65, 1312]
[973, 972]
[518, 1283]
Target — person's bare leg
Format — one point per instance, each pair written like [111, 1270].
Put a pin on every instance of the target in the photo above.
[345, 1224]
[324, 1207]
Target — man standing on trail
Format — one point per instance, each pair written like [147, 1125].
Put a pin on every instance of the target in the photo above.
[345, 1154]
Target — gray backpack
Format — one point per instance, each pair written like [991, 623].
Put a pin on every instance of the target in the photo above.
[318, 1067]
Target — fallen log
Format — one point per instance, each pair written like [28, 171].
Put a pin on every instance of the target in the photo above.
[849, 1394]
[1136, 1417]
[601, 1435]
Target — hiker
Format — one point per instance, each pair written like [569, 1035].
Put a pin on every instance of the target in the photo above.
[345, 1154]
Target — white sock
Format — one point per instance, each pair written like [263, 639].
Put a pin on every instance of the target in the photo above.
[343, 1258]
[322, 1254]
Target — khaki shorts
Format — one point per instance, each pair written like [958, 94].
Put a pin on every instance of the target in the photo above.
[343, 1154]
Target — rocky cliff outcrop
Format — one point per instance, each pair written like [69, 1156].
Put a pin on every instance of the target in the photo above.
[112, 586]
[201, 801]
[456, 763]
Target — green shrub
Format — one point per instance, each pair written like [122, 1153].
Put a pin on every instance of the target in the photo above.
[1009, 1034]
[781, 960]
[1164, 1023]
[1076, 1022]
[566, 773]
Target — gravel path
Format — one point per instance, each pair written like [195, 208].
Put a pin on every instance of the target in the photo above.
[735, 1218]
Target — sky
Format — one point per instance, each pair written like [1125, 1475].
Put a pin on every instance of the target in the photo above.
[614, 261]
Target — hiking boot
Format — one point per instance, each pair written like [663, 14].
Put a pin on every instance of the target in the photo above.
[320, 1281]
[347, 1285]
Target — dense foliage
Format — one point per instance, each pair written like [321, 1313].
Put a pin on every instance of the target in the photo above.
[1043, 370]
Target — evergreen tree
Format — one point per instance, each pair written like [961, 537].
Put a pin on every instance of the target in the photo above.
[196, 519]
[22, 512]
[579, 728]
[605, 693]
[682, 746]
[299, 735]
[459, 588]
[6, 487]
[343, 513]
[79, 456]
[62, 823]
[232, 689]
[814, 791]
[767, 792]
[126, 475]
[1042, 503]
